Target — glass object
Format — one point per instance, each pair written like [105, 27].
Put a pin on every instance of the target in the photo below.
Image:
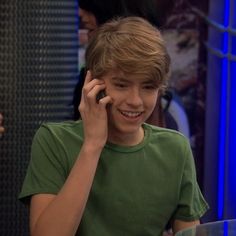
[218, 228]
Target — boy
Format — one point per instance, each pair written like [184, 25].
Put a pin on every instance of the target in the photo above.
[111, 173]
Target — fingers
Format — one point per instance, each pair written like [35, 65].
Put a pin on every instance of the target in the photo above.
[91, 88]
[92, 93]
[88, 77]
[89, 80]
[104, 101]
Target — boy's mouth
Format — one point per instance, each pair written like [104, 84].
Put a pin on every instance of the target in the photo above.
[131, 114]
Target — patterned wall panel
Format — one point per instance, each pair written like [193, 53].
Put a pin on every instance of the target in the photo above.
[38, 69]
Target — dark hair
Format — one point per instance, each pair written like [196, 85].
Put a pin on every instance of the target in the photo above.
[154, 11]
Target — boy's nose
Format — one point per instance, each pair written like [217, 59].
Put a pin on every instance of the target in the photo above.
[135, 98]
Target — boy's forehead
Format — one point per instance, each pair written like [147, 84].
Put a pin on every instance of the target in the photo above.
[119, 75]
[116, 74]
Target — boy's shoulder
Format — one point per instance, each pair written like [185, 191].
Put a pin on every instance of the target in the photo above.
[61, 128]
[62, 124]
[156, 132]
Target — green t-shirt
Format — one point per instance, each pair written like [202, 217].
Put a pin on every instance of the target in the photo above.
[136, 190]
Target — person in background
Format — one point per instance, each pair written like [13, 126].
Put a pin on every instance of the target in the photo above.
[94, 13]
[111, 173]
[1, 125]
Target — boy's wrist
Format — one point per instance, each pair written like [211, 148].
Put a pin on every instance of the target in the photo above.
[92, 148]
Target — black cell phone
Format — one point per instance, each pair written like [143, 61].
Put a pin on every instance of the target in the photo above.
[100, 95]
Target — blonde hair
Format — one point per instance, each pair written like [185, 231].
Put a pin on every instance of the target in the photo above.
[131, 45]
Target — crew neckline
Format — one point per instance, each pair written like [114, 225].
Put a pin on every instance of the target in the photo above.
[121, 148]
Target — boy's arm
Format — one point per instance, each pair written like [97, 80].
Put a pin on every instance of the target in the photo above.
[179, 225]
[61, 214]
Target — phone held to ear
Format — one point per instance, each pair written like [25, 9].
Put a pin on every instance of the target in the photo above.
[100, 95]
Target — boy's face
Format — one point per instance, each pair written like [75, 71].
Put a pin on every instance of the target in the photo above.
[134, 98]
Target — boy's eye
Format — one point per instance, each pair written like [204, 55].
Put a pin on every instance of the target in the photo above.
[150, 87]
[120, 85]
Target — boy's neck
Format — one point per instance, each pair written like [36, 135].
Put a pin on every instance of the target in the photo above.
[127, 139]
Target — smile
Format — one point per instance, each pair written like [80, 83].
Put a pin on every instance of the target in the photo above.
[130, 114]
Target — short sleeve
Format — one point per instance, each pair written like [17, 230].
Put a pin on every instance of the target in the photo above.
[46, 171]
[191, 203]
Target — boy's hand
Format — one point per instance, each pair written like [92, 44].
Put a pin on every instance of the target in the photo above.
[94, 113]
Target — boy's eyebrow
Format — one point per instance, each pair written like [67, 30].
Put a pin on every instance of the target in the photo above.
[145, 81]
[150, 81]
[118, 78]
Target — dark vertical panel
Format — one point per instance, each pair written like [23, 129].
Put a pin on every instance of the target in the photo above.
[38, 68]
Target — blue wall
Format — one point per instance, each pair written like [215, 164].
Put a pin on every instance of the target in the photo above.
[220, 144]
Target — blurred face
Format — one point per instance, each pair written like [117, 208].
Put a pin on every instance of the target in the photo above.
[134, 98]
[88, 21]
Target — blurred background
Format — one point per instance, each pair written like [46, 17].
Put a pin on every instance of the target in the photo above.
[42, 49]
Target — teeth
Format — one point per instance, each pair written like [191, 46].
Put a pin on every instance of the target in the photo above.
[131, 114]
